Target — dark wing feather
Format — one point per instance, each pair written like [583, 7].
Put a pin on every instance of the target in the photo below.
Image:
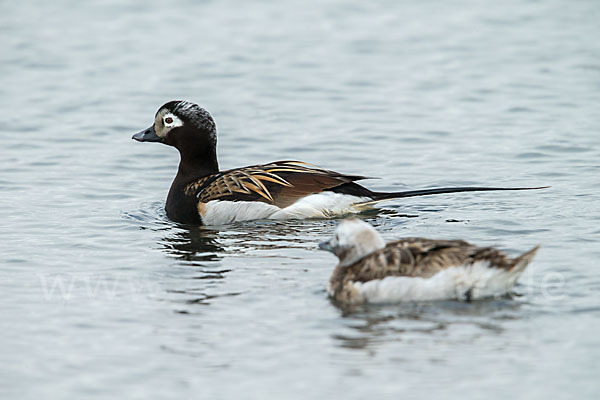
[279, 183]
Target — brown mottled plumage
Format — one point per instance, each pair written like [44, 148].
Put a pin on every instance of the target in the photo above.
[409, 257]
[280, 183]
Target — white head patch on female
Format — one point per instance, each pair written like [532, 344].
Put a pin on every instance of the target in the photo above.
[353, 239]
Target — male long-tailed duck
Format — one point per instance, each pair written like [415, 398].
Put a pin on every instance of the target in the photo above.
[414, 269]
[201, 193]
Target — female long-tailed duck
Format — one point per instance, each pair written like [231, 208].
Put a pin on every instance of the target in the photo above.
[201, 193]
[414, 269]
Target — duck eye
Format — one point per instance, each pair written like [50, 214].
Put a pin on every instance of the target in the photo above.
[168, 120]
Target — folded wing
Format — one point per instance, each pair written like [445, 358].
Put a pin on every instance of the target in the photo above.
[279, 183]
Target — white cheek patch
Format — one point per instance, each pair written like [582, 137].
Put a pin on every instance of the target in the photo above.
[168, 122]
[172, 121]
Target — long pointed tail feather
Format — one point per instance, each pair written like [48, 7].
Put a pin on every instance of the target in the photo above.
[521, 262]
[379, 196]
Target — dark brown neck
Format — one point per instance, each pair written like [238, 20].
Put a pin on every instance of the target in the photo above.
[198, 155]
[195, 167]
[181, 206]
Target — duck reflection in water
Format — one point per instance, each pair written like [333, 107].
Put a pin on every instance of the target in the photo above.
[371, 326]
[193, 244]
[197, 248]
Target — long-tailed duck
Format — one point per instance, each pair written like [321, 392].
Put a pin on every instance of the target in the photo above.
[413, 269]
[201, 193]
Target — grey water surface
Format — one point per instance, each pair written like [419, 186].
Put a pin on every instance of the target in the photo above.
[103, 297]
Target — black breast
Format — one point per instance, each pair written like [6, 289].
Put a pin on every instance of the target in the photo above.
[181, 207]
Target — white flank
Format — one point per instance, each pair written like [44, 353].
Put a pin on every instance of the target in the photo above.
[464, 282]
[321, 205]
[318, 205]
[224, 212]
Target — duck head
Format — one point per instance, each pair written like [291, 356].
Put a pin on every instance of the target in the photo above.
[353, 239]
[187, 127]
